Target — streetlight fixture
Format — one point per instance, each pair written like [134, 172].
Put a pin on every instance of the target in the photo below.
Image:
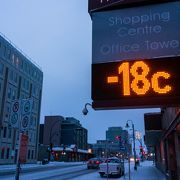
[85, 110]
[134, 150]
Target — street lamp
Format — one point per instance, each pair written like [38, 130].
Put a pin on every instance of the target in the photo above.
[85, 110]
[50, 138]
[134, 150]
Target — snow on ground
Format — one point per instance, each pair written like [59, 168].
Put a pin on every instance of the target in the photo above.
[55, 163]
[45, 174]
[146, 170]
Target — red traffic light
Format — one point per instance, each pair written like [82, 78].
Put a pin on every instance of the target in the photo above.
[2, 148]
[117, 137]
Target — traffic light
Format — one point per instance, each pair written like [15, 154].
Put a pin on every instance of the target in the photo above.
[141, 149]
[2, 148]
[117, 137]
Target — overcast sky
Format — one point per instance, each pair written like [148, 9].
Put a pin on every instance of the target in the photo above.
[57, 35]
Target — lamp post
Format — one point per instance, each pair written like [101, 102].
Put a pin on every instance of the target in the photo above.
[85, 110]
[50, 137]
[134, 150]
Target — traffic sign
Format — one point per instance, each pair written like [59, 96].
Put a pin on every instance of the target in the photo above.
[26, 113]
[15, 111]
[23, 148]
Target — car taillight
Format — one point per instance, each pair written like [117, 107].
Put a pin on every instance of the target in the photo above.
[97, 162]
[92, 161]
[88, 162]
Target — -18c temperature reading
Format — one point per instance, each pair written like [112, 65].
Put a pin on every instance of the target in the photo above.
[140, 83]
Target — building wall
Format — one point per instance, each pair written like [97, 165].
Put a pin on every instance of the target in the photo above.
[52, 130]
[74, 133]
[19, 79]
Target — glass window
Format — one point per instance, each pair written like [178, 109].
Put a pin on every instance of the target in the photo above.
[1, 68]
[25, 66]
[21, 63]
[2, 152]
[13, 59]
[5, 130]
[0, 44]
[9, 133]
[35, 74]
[32, 154]
[11, 75]
[9, 53]
[15, 77]
[0, 87]
[4, 51]
[9, 93]
[7, 153]
[17, 61]
[13, 94]
[32, 72]
[27, 85]
[28, 154]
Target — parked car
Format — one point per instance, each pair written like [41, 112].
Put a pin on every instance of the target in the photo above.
[112, 166]
[94, 163]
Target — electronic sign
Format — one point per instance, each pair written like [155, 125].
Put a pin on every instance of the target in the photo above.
[136, 83]
[143, 32]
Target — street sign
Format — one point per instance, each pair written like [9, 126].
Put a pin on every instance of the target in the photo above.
[23, 149]
[143, 32]
[15, 111]
[26, 113]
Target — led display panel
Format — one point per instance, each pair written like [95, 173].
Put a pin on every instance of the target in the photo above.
[136, 83]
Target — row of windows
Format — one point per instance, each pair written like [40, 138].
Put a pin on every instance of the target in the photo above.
[31, 154]
[20, 63]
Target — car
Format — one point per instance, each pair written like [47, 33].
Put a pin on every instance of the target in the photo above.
[94, 163]
[112, 166]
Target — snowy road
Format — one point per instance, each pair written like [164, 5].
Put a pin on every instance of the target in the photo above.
[146, 170]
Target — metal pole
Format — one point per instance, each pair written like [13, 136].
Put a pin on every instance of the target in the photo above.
[129, 167]
[18, 162]
[134, 148]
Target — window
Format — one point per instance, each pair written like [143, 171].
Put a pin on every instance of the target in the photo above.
[32, 72]
[15, 77]
[7, 153]
[17, 62]
[9, 93]
[29, 154]
[35, 74]
[9, 133]
[27, 85]
[9, 53]
[5, 130]
[13, 94]
[32, 154]
[13, 59]
[25, 66]
[0, 87]
[1, 68]
[4, 51]
[21, 63]
[11, 75]
[2, 152]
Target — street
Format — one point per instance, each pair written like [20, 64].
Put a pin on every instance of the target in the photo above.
[80, 172]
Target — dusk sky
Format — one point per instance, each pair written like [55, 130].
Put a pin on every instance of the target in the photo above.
[57, 35]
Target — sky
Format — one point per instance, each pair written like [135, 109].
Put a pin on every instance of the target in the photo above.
[57, 35]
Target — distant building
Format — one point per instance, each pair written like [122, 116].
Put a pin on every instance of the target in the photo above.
[52, 130]
[41, 133]
[73, 133]
[20, 78]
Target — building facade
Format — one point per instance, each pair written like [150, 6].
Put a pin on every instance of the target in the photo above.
[166, 142]
[19, 79]
[52, 130]
[74, 133]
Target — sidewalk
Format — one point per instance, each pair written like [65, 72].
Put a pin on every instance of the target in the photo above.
[147, 171]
